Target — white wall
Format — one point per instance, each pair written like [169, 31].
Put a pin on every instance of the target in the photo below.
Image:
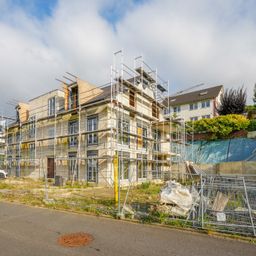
[186, 113]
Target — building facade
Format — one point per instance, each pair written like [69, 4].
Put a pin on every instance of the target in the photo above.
[78, 131]
[195, 105]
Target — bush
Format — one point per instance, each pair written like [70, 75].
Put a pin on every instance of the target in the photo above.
[252, 125]
[220, 126]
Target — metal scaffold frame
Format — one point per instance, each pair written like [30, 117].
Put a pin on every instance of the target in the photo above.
[147, 94]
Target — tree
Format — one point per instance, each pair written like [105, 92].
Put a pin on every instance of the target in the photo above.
[254, 95]
[232, 102]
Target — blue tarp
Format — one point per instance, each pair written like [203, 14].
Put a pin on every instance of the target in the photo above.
[231, 150]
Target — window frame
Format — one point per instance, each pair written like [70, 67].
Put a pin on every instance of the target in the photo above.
[92, 125]
[51, 106]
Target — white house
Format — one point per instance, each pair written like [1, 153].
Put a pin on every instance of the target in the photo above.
[195, 105]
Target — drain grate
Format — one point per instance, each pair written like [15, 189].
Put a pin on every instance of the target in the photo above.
[75, 239]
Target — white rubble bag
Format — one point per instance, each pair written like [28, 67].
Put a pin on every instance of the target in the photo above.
[177, 198]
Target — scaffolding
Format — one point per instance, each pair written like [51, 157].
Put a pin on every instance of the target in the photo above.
[129, 123]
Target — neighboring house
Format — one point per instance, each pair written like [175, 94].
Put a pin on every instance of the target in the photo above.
[79, 131]
[195, 105]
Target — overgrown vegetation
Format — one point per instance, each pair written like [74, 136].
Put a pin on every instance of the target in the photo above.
[232, 102]
[252, 125]
[219, 127]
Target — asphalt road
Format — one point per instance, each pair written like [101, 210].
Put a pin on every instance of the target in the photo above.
[33, 231]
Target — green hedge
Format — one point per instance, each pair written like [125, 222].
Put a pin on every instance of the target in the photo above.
[220, 126]
[252, 125]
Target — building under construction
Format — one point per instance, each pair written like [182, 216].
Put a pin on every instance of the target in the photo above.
[77, 131]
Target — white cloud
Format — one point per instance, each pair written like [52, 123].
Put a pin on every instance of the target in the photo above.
[188, 41]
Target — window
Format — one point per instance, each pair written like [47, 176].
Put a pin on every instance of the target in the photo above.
[206, 116]
[72, 166]
[167, 111]
[32, 127]
[193, 106]
[92, 166]
[32, 150]
[51, 106]
[1, 128]
[17, 150]
[9, 151]
[92, 125]
[73, 129]
[157, 138]
[73, 97]
[9, 139]
[156, 168]
[176, 109]
[124, 129]
[194, 118]
[18, 137]
[205, 104]
[142, 166]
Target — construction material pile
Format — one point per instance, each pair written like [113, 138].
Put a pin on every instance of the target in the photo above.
[177, 200]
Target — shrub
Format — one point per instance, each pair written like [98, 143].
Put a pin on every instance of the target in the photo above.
[252, 125]
[220, 126]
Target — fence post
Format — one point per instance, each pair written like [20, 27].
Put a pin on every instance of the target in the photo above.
[202, 202]
[249, 207]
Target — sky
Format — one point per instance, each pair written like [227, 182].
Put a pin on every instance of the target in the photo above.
[188, 42]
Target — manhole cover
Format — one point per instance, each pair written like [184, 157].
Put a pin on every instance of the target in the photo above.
[75, 239]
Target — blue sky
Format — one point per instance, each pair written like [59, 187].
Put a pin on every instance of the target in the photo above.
[189, 42]
[112, 11]
[37, 8]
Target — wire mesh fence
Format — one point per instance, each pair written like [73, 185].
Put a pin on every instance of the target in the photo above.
[211, 202]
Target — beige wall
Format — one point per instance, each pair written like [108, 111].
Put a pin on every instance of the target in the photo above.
[39, 106]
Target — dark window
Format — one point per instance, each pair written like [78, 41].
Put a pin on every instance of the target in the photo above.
[92, 166]
[194, 118]
[176, 109]
[205, 104]
[124, 129]
[32, 150]
[193, 106]
[51, 106]
[157, 139]
[142, 166]
[73, 97]
[92, 125]
[73, 166]
[73, 129]
[32, 127]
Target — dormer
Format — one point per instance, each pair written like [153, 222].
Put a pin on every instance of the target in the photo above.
[79, 92]
[22, 112]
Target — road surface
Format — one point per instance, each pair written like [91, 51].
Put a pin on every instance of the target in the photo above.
[34, 232]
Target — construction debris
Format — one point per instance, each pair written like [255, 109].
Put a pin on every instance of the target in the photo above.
[176, 199]
[220, 202]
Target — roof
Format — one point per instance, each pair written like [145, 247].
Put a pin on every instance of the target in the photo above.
[195, 96]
